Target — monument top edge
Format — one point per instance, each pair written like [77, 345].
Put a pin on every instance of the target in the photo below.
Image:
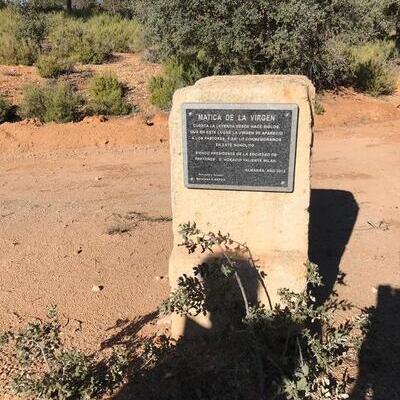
[258, 79]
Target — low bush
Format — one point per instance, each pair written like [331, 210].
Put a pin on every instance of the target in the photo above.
[69, 38]
[292, 350]
[371, 68]
[43, 368]
[122, 35]
[175, 76]
[5, 108]
[58, 103]
[107, 96]
[51, 65]
[93, 41]
[307, 37]
[25, 32]
[20, 37]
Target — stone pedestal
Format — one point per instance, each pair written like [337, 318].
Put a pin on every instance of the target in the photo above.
[273, 224]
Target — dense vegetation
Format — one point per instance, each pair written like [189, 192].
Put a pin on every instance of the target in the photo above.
[329, 41]
[63, 103]
[58, 103]
[58, 39]
[333, 42]
[107, 96]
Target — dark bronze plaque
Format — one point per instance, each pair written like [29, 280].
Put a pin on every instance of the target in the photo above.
[240, 146]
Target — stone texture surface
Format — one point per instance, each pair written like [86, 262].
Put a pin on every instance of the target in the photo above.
[274, 225]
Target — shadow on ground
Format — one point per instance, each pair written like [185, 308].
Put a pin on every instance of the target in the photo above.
[333, 214]
[379, 357]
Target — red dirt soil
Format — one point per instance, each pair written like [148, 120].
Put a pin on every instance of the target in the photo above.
[64, 188]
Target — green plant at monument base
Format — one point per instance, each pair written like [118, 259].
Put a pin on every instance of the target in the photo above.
[44, 369]
[294, 350]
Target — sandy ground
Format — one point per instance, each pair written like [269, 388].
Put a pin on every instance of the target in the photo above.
[88, 204]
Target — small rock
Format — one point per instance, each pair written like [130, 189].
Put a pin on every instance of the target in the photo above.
[79, 251]
[98, 178]
[97, 288]
[159, 278]
[374, 290]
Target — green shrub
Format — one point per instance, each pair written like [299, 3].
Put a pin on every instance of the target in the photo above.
[92, 49]
[175, 76]
[372, 70]
[58, 103]
[121, 35]
[283, 36]
[51, 65]
[5, 108]
[107, 96]
[20, 37]
[24, 32]
[44, 368]
[93, 41]
[293, 350]
[64, 35]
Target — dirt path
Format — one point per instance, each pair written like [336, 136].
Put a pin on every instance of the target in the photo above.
[84, 213]
[71, 221]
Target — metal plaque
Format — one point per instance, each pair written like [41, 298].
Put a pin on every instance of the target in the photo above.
[240, 146]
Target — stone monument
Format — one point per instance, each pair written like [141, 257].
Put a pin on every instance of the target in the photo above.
[240, 163]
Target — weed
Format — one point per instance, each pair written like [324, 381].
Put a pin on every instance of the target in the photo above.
[175, 76]
[371, 68]
[58, 103]
[294, 350]
[45, 369]
[51, 65]
[318, 106]
[107, 95]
